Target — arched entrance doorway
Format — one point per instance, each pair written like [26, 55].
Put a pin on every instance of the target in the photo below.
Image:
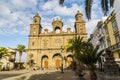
[57, 63]
[57, 60]
[69, 60]
[44, 63]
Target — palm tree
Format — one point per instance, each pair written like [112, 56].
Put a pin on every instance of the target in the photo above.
[88, 5]
[75, 45]
[89, 57]
[20, 48]
[3, 52]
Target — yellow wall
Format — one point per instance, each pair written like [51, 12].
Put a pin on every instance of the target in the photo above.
[108, 24]
[116, 55]
[111, 33]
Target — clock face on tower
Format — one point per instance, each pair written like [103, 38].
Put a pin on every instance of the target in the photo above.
[34, 32]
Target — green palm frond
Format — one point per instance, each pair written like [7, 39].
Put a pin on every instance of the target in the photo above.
[20, 48]
[61, 2]
[105, 7]
[84, 58]
[88, 5]
[111, 3]
[69, 47]
[90, 54]
[75, 45]
[3, 52]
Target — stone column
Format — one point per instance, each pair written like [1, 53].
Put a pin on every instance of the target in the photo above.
[50, 62]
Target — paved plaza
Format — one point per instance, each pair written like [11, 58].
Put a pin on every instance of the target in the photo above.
[39, 75]
[13, 73]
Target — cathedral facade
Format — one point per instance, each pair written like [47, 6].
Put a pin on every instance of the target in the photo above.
[46, 49]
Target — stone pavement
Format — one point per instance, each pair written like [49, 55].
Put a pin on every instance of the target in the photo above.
[12, 73]
[18, 74]
[67, 75]
[43, 75]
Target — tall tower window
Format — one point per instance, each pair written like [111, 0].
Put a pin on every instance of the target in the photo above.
[34, 29]
[117, 38]
[35, 20]
[32, 43]
[81, 29]
[114, 24]
[106, 31]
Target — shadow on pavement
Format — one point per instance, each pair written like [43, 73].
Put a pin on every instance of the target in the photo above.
[43, 75]
[3, 76]
[21, 78]
[8, 74]
[67, 75]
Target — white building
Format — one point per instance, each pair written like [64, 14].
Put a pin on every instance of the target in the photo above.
[97, 38]
[117, 10]
[8, 62]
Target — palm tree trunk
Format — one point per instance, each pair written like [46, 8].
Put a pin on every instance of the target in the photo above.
[93, 75]
[20, 55]
[19, 59]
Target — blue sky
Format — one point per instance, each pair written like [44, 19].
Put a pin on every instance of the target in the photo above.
[16, 16]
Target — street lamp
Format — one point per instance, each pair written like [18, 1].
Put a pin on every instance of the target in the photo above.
[30, 61]
[62, 60]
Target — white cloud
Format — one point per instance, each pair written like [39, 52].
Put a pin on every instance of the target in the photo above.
[96, 11]
[50, 5]
[4, 11]
[69, 24]
[25, 30]
[23, 3]
[11, 23]
[46, 13]
[90, 25]
[15, 30]
[65, 11]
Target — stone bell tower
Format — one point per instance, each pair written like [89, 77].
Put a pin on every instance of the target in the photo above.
[57, 24]
[35, 27]
[80, 24]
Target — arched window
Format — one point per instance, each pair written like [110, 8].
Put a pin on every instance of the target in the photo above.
[57, 30]
[32, 43]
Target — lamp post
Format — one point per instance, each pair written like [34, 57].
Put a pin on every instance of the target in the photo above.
[30, 61]
[62, 60]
